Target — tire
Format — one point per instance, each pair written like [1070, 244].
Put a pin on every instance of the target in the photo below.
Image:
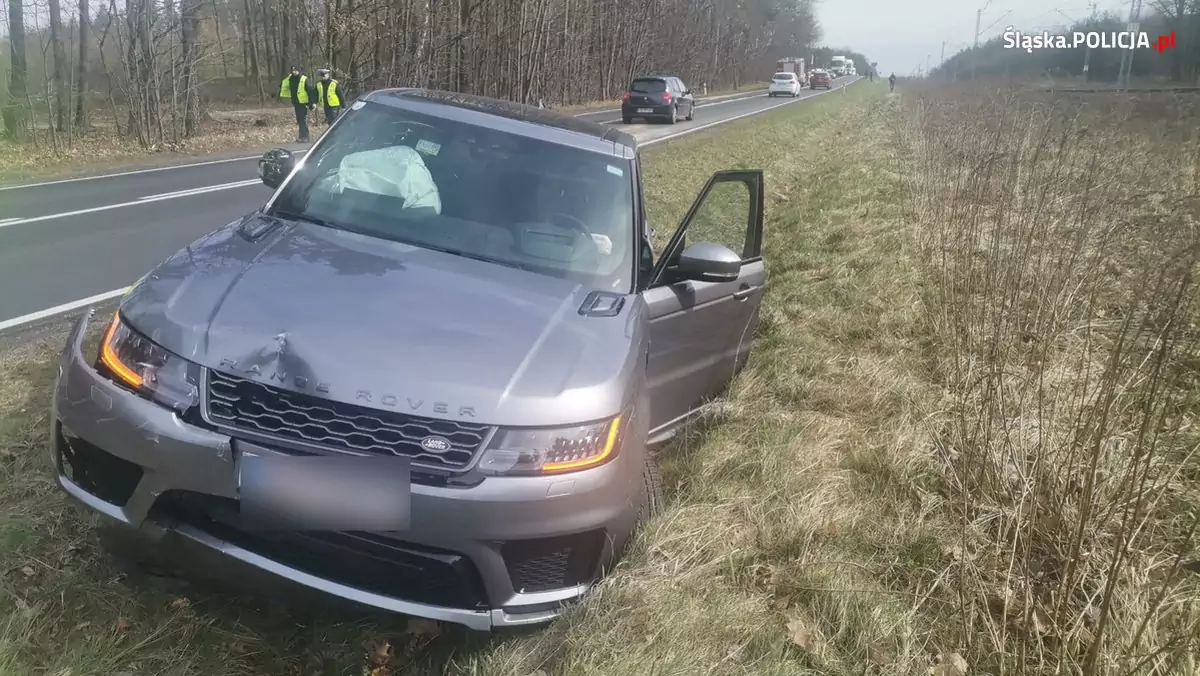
[674, 115]
[691, 113]
[626, 120]
[652, 491]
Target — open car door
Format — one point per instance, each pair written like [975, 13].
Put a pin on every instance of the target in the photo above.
[703, 297]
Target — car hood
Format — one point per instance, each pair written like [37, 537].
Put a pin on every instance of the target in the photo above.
[363, 320]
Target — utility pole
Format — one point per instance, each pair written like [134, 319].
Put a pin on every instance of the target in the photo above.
[942, 58]
[1087, 53]
[975, 48]
[928, 70]
[1135, 13]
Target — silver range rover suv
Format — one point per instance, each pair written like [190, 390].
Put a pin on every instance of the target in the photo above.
[424, 376]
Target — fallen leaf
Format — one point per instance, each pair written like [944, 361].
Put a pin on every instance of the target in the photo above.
[383, 651]
[800, 634]
[950, 664]
[1041, 624]
[422, 627]
[181, 603]
[880, 654]
[122, 625]
[29, 571]
[83, 625]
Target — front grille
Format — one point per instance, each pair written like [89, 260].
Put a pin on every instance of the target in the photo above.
[553, 563]
[371, 562]
[246, 406]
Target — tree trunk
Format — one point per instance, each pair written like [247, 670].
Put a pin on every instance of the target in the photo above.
[189, 28]
[58, 78]
[81, 78]
[15, 113]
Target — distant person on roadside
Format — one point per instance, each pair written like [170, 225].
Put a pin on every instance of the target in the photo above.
[328, 95]
[892, 82]
[296, 88]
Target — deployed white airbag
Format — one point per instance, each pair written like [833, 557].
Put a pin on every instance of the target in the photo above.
[396, 171]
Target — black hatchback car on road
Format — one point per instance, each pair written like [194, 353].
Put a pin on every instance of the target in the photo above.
[659, 98]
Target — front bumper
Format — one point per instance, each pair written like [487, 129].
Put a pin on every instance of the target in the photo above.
[506, 552]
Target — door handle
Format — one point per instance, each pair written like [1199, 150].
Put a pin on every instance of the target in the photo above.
[744, 292]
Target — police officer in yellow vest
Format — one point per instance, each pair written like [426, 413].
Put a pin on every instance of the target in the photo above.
[327, 95]
[296, 88]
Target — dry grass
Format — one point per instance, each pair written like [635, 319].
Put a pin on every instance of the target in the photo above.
[234, 130]
[1061, 245]
[963, 440]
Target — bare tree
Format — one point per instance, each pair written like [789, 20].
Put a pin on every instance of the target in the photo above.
[58, 78]
[14, 112]
[81, 77]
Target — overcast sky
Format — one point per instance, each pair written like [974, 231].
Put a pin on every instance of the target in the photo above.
[899, 35]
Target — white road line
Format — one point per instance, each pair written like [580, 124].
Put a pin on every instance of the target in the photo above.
[140, 200]
[127, 173]
[75, 305]
[199, 191]
[746, 97]
[8, 220]
[690, 130]
[59, 309]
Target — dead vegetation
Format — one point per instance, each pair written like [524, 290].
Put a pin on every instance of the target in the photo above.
[1061, 244]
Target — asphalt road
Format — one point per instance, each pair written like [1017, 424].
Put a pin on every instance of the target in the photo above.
[70, 243]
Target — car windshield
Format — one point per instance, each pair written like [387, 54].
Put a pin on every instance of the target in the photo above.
[471, 191]
[648, 86]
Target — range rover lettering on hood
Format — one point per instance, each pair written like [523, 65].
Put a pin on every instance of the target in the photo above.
[365, 397]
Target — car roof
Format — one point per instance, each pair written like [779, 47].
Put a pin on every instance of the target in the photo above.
[511, 117]
[651, 77]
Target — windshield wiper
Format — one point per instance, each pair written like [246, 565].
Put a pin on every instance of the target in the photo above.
[293, 216]
[474, 257]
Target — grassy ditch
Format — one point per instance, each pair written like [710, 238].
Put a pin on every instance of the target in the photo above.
[1060, 244]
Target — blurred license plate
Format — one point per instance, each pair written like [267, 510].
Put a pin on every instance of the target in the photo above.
[282, 492]
[645, 110]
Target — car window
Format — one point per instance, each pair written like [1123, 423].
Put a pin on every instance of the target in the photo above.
[473, 191]
[648, 86]
[783, 77]
[722, 217]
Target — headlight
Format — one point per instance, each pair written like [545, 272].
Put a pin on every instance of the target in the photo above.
[133, 360]
[551, 450]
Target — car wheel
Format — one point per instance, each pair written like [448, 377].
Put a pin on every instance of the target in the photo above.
[691, 113]
[674, 115]
[627, 120]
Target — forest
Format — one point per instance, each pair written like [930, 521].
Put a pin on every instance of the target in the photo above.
[155, 68]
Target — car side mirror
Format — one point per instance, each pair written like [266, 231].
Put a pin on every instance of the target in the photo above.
[275, 165]
[708, 262]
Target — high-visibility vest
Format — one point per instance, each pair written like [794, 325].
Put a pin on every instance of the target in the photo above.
[285, 89]
[327, 93]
